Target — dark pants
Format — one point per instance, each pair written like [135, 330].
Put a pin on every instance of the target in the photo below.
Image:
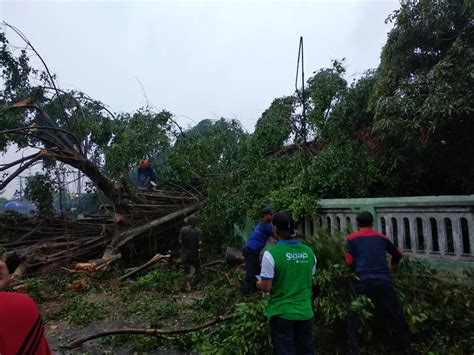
[292, 336]
[387, 309]
[190, 258]
[252, 268]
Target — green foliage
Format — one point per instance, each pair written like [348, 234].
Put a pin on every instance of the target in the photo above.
[160, 281]
[430, 301]
[423, 99]
[345, 170]
[136, 136]
[246, 334]
[244, 231]
[39, 189]
[87, 203]
[436, 306]
[325, 90]
[221, 289]
[208, 151]
[35, 289]
[334, 299]
[3, 201]
[273, 129]
[328, 249]
[404, 129]
[294, 196]
[82, 310]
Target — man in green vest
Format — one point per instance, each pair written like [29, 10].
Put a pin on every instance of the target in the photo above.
[287, 273]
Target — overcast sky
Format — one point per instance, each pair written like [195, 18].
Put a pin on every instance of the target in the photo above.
[197, 59]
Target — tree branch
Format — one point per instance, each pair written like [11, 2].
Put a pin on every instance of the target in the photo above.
[29, 104]
[19, 161]
[44, 137]
[151, 331]
[24, 38]
[32, 128]
[19, 171]
[157, 258]
[85, 96]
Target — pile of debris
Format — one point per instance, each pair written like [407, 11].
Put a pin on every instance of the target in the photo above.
[34, 245]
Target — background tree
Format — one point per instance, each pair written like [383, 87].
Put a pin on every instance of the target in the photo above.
[423, 98]
[39, 189]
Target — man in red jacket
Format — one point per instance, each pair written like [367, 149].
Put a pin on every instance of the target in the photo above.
[21, 326]
[366, 254]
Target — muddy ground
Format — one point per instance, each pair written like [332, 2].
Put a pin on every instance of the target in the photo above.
[156, 299]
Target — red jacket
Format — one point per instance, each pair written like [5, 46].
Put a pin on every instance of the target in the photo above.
[21, 326]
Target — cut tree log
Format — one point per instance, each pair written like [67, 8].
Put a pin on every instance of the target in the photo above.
[95, 265]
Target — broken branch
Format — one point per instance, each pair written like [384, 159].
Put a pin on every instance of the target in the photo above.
[157, 258]
[151, 332]
[19, 171]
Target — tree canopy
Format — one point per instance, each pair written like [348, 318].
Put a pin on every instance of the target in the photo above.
[403, 128]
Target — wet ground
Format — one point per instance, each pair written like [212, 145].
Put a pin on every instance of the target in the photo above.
[60, 332]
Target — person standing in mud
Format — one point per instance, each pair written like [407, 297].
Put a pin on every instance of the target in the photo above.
[190, 237]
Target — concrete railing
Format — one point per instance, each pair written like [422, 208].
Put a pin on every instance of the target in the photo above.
[424, 226]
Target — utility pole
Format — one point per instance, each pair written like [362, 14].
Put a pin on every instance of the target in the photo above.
[21, 187]
[79, 184]
[301, 96]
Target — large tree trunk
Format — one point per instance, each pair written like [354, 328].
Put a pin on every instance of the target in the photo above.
[108, 188]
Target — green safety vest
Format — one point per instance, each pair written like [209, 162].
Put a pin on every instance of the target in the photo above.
[290, 297]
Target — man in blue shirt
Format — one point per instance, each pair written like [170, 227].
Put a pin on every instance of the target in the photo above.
[366, 254]
[252, 250]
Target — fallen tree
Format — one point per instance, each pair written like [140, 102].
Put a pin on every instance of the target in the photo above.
[70, 128]
[61, 240]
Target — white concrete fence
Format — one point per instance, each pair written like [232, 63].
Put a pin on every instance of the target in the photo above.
[425, 226]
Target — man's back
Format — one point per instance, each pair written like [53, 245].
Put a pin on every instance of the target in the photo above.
[294, 264]
[190, 237]
[367, 254]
